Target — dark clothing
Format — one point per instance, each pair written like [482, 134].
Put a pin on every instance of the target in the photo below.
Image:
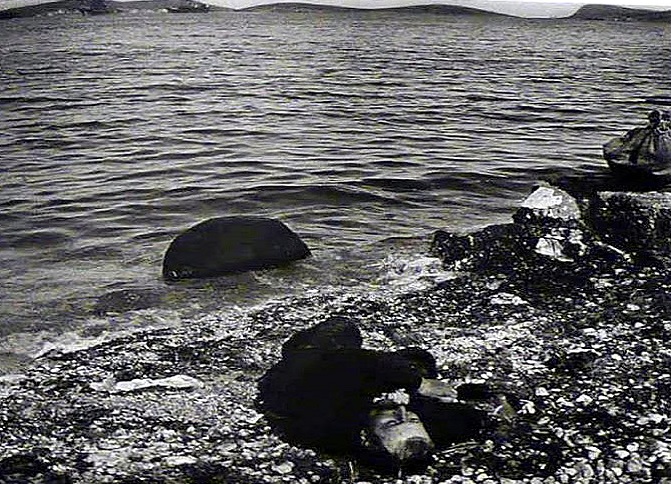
[333, 334]
[322, 391]
[448, 423]
[324, 397]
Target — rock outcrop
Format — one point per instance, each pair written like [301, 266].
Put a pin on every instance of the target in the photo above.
[229, 245]
[548, 235]
[636, 222]
[553, 227]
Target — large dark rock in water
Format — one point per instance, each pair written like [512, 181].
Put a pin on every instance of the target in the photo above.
[229, 245]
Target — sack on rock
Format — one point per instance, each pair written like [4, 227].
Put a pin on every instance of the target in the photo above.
[644, 150]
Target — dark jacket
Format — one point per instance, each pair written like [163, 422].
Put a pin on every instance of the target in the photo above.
[322, 390]
[323, 397]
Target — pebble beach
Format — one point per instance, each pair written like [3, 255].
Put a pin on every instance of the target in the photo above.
[584, 346]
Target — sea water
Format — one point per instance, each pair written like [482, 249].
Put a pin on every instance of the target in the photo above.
[362, 131]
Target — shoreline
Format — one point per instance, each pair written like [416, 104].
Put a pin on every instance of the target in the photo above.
[584, 343]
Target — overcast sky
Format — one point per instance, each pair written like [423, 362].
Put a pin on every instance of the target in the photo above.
[535, 8]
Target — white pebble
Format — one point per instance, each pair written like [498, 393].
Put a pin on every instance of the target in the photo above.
[284, 468]
[633, 447]
[542, 392]
[593, 452]
[586, 471]
[178, 460]
[634, 467]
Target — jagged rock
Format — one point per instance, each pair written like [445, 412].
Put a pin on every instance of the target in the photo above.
[637, 222]
[552, 223]
[229, 245]
[549, 206]
[488, 249]
[548, 223]
[548, 230]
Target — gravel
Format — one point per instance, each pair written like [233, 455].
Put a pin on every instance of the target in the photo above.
[588, 358]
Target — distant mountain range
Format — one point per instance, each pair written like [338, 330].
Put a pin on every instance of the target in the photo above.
[97, 7]
[587, 12]
[430, 9]
[610, 12]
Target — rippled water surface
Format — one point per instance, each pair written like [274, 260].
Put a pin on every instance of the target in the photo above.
[363, 131]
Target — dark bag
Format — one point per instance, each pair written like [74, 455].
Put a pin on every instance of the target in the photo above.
[645, 150]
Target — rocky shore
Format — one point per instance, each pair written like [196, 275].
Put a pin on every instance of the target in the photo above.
[567, 307]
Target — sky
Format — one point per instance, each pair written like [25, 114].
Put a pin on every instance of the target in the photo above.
[535, 8]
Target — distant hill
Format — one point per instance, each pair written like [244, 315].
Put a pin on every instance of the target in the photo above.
[588, 12]
[159, 5]
[430, 9]
[610, 12]
[42, 9]
[68, 6]
[83, 6]
[445, 10]
[295, 7]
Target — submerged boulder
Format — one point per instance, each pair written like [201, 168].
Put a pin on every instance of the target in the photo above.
[228, 245]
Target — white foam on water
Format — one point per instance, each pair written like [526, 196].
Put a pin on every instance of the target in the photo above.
[18, 349]
[396, 273]
[402, 274]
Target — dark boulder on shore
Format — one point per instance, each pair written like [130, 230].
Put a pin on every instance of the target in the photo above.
[636, 222]
[555, 229]
[229, 245]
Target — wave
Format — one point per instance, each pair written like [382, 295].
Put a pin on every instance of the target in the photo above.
[413, 124]
[319, 195]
